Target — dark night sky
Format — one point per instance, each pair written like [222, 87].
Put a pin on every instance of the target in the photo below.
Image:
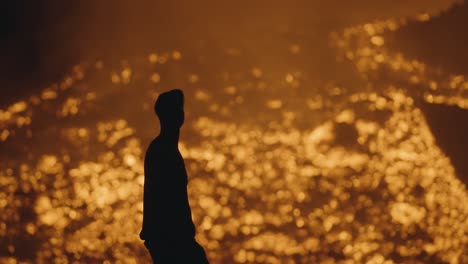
[41, 40]
[25, 33]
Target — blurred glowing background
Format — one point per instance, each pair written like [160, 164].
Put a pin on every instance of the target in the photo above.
[316, 132]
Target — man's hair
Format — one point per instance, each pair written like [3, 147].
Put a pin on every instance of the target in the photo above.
[169, 102]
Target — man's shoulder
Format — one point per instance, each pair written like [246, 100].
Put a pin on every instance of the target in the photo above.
[157, 148]
[155, 144]
[152, 149]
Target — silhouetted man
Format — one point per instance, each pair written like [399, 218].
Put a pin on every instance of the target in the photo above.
[168, 229]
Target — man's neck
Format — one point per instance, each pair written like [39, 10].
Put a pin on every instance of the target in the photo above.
[170, 136]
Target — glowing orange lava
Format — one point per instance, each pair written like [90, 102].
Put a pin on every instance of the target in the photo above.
[278, 172]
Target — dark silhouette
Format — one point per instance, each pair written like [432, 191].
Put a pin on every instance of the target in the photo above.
[168, 230]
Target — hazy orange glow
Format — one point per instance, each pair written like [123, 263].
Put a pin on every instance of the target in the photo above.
[278, 172]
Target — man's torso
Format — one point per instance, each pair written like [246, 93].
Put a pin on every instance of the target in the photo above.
[166, 211]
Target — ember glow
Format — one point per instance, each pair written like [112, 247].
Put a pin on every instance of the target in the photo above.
[282, 168]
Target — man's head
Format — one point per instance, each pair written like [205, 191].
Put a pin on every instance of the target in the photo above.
[169, 108]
